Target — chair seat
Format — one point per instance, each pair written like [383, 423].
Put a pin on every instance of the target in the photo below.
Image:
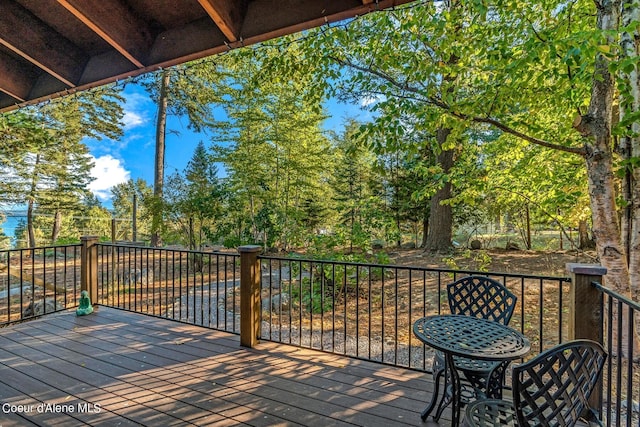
[490, 412]
[495, 412]
[553, 388]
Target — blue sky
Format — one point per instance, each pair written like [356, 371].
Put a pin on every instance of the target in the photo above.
[132, 156]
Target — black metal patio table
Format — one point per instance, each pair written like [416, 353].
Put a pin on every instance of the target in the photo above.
[472, 338]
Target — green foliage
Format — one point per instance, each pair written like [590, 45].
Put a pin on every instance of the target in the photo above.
[314, 296]
[481, 259]
[44, 163]
[468, 68]
[123, 205]
[273, 150]
[550, 183]
[491, 77]
[194, 201]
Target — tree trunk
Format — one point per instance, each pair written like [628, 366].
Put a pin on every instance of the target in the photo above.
[584, 240]
[630, 142]
[528, 221]
[192, 237]
[425, 231]
[254, 226]
[440, 218]
[629, 102]
[30, 231]
[158, 176]
[596, 126]
[57, 225]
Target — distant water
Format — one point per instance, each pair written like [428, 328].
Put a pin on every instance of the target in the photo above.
[8, 227]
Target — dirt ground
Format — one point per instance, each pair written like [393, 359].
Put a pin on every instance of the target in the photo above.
[540, 263]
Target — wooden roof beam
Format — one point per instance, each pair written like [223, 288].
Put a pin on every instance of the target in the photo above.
[33, 40]
[115, 24]
[14, 79]
[228, 15]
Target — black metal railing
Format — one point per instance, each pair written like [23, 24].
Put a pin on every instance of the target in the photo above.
[200, 288]
[367, 310]
[358, 310]
[353, 309]
[621, 376]
[37, 281]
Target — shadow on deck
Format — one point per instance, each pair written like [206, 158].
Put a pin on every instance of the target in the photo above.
[120, 368]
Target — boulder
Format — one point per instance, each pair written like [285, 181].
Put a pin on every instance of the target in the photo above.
[277, 302]
[377, 244]
[512, 246]
[41, 307]
[133, 276]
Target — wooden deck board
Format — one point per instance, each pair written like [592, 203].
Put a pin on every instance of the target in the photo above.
[142, 370]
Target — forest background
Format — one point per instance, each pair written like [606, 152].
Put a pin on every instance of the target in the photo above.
[481, 122]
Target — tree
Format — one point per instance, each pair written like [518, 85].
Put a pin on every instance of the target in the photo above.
[158, 174]
[123, 196]
[532, 182]
[46, 165]
[272, 148]
[185, 90]
[353, 185]
[628, 85]
[522, 68]
[195, 199]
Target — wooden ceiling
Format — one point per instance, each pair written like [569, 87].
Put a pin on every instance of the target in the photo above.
[49, 48]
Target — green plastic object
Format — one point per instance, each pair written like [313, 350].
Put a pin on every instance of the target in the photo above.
[85, 304]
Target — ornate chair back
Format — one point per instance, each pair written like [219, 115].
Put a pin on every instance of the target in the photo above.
[483, 297]
[554, 387]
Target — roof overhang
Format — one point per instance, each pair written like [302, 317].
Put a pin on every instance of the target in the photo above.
[49, 48]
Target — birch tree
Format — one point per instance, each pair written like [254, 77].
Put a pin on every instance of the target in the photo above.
[533, 70]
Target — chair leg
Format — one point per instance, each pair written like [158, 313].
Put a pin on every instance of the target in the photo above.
[434, 396]
[495, 379]
[446, 396]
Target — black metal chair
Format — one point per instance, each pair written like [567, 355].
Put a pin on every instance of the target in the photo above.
[481, 297]
[552, 389]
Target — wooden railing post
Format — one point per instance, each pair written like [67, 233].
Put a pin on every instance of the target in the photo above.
[250, 310]
[585, 316]
[586, 319]
[89, 267]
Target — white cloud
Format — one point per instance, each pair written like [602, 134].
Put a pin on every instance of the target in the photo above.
[132, 119]
[369, 100]
[136, 110]
[108, 172]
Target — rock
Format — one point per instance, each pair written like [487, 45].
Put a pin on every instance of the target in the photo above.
[277, 302]
[377, 244]
[133, 276]
[408, 245]
[475, 244]
[41, 307]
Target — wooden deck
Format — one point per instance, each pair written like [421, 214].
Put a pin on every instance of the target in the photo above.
[117, 368]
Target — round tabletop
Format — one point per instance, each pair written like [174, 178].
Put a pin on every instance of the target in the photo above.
[471, 337]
